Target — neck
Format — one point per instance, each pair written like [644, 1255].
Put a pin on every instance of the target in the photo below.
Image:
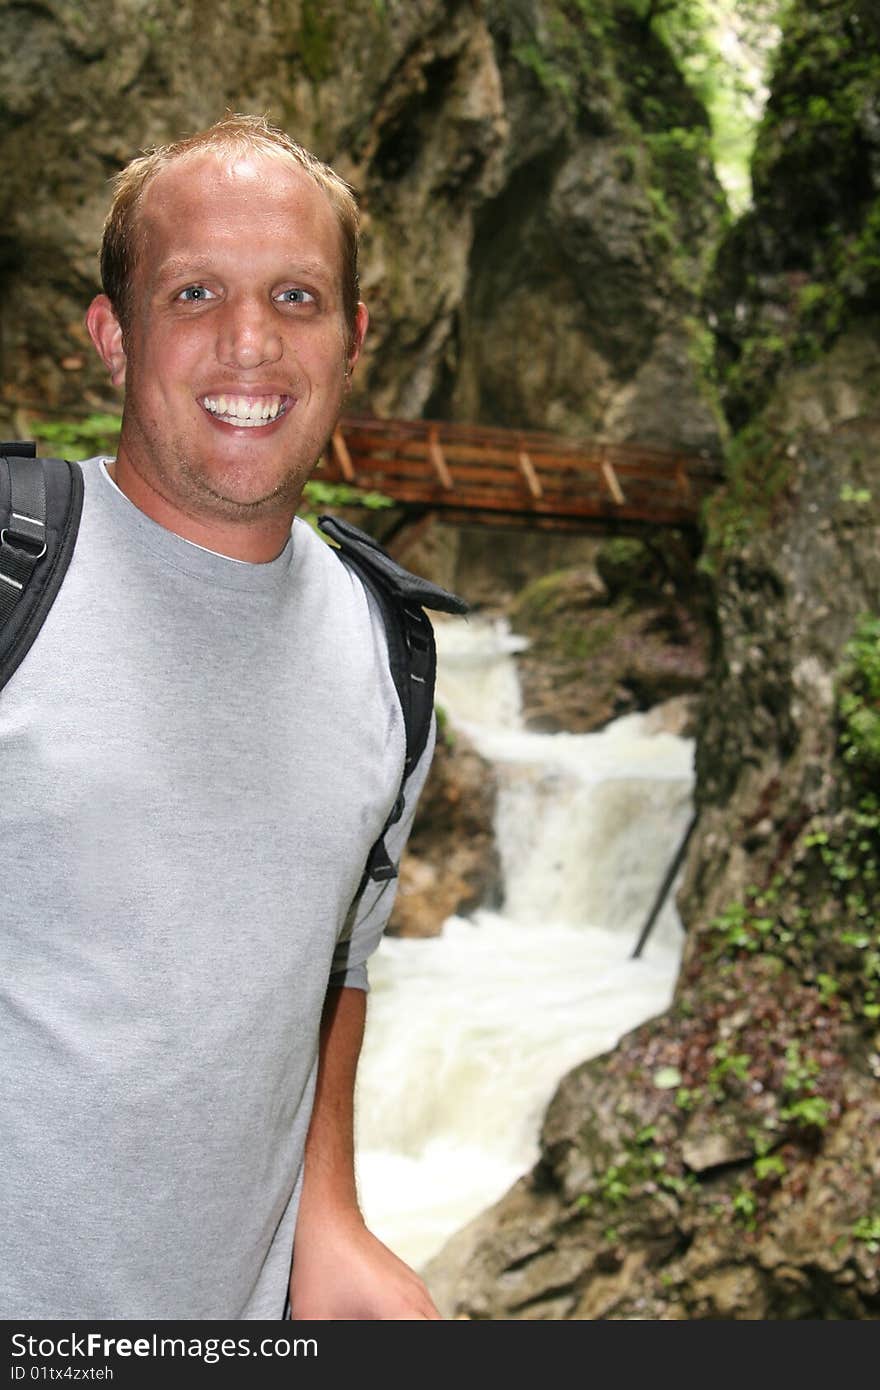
[254, 541]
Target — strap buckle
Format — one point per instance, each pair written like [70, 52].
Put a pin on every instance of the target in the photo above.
[26, 537]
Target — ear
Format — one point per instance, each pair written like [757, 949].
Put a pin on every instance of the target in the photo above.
[106, 333]
[361, 319]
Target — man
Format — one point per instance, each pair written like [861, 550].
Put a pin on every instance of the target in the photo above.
[198, 752]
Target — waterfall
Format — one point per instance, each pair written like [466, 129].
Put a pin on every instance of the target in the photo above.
[468, 1033]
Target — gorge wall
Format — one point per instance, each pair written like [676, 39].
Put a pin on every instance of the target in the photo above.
[724, 1160]
[537, 197]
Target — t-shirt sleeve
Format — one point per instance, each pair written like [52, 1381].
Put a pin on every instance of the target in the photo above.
[371, 909]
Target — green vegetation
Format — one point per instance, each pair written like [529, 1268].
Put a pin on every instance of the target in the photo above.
[554, 80]
[770, 1166]
[78, 439]
[445, 731]
[859, 702]
[316, 44]
[320, 495]
[745, 1205]
[591, 58]
[726, 1066]
[758, 474]
[867, 1228]
[822, 912]
[806, 262]
[777, 1072]
[724, 48]
[643, 1168]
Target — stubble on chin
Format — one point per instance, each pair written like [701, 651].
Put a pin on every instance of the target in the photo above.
[204, 493]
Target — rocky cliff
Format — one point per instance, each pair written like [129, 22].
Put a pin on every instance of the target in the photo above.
[538, 201]
[724, 1160]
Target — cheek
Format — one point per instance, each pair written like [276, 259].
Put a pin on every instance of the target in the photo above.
[327, 361]
[168, 364]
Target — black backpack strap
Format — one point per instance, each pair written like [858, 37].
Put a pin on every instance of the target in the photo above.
[40, 509]
[402, 598]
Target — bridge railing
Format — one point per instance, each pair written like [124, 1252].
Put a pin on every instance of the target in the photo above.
[526, 474]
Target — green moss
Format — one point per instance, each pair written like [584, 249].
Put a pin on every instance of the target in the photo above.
[859, 702]
[758, 472]
[554, 79]
[806, 263]
[541, 596]
[680, 155]
[583, 643]
[821, 910]
[316, 41]
[625, 551]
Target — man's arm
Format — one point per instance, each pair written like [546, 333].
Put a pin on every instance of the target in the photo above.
[340, 1270]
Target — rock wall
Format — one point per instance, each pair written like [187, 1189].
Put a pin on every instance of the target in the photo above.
[629, 631]
[451, 863]
[723, 1161]
[534, 227]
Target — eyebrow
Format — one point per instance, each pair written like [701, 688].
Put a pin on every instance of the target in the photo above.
[183, 267]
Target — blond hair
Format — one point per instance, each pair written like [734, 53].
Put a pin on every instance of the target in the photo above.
[235, 134]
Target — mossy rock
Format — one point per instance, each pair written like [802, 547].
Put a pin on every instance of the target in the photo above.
[559, 595]
[626, 566]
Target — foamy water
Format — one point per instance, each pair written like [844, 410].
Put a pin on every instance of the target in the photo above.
[469, 1033]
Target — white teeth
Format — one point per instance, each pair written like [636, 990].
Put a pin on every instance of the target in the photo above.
[242, 410]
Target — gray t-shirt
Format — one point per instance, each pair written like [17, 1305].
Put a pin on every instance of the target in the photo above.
[196, 756]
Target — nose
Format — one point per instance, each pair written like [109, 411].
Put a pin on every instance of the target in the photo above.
[248, 334]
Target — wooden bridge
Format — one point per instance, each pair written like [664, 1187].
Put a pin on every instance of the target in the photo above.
[469, 473]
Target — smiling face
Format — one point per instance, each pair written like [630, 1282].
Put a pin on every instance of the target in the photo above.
[236, 356]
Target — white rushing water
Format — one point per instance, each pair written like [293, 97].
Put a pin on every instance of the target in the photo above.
[468, 1033]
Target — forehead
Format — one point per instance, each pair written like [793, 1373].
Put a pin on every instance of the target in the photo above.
[214, 205]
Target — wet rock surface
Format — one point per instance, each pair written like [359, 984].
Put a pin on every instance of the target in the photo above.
[628, 632]
[451, 862]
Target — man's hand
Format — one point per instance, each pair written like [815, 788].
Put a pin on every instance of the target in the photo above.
[342, 1271]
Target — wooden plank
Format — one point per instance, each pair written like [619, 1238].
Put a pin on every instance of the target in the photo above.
[342, 455]
[682, 479]
[610, 477]
[480, 502]
[464, 473]
[436, 456]
[527, 469]
[450, 432]
[491, 503]
[562, 491]
[367, 450]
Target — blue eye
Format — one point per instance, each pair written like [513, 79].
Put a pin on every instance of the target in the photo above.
[195, 294]
[296, 297]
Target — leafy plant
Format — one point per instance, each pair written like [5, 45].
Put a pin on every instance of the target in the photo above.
[867, 1228]
[810, 1112]
[78, 439]
[770, 1166]
[745, 1205]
